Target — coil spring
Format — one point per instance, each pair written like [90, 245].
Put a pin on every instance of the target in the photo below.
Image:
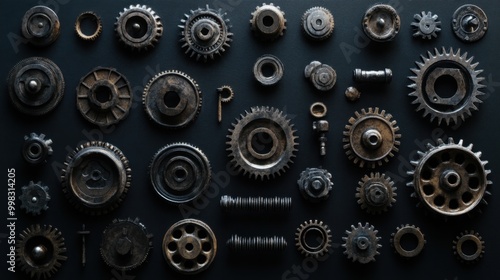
[257, 243]
[256, 204]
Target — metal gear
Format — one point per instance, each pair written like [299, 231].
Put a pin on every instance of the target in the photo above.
[92, 17]
[318, 23]
[40, 26]
[138, 27]
[381, 23]
[262, 143]
[469, 23]
[34, 198]
[398, 236]
[371, 138]
[376, 193]
[36, 148]
[307, 231]
[322, 76]
[450, 179]
[268, 22]
[36, 86]
[205, 33]
[180, 173]
[172, 99]
[272, 63]
[125, 244]
[315, 184]
[361, 243]
[426, 25]
[462, 70]
[96, 177]
[466, 237]
[40, 251]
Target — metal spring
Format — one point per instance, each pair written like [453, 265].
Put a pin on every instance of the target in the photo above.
[256, 244]
[256, 204]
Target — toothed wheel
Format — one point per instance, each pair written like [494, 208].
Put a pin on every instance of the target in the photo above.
[36, 148]
[371, 138]
[397, 240]
[262, 143]
[439, 105]
[361, 243]
[34, 198]
[476, 243]
[138, 27]
[426, 25]
[315, 184]
[268, 22]
[376, 193]
[450, 179]
[318, 23]
[313, 238]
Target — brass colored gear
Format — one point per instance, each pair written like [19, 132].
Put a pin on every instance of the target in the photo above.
[138, 27]
[465, 237]
[361, 243]
[376, 193]
[404, 230]
[316, 248]
[88, 16]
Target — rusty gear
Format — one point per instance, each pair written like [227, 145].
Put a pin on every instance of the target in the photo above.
[34, 198]
[361, 243]
[376, 193]
[36, 148]
[40, 26]
[320, 246]
[397, 236]
[426, 25]
[381, 23]
[138, 27]
[318, 23]
[469, 23]
[464, 237]
[315, 184]
[268, 22]
[88, 16]
[322, 76]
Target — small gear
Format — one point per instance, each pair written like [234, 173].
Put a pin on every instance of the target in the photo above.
[315, 184]
[469, 23]
[318, 23]
[205, 33]
[138, 27]
[361, 243]
[457, 66]
[426, 25]
[36, 148]
[125, 244]
[40, 251]
[376, 193]
[268, 22]
[40, 26]
[478, 245]
[313, 248]
[381, 23]
[322, 76]
[34, 198]
[226, 93]
[92, 17]
[262, 143]
[398, 236]
[268, 62]
[371, 138]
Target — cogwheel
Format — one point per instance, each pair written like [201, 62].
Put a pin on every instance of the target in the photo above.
[462, 70]
[34, 198]
[450, 179]
[371, 138]
[226, 93]
[315, 184]
[39, 251]
[36, 148]
[262, 143]
[138, 27]
[320, 246]
[397, 237]
[318, 23]
[205, 33]
[96, 177]
[426, 25]
[361, 243]
[92, 17]
[268, 22]
[478, 245]
[376, 193]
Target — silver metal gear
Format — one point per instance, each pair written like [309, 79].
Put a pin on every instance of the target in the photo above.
[398, 236]
[34, 198]
[361, 243]
[469, 23]
[138, 27]
[307, 231]
[426, 25]
[465, 237]
[459, 67]
[262, 143]
[268, 22]
[371, 138]
[318, 23]
[36, 148]
[315, 184]
[376, 193]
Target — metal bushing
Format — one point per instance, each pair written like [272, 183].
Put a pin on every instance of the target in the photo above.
[268, 70]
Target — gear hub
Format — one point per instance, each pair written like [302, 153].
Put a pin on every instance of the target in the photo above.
[315, 184]
[376, 193]
[34, 198]
[361, 243]
[138, 27]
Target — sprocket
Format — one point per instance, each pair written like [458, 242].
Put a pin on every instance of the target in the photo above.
[426, 25]
[318, 247]
[361, 243]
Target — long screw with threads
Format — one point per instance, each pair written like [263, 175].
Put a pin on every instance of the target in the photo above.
[256, 204]
[256, 244]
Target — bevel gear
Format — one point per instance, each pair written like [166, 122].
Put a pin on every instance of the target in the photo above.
[34, 198]
[404, 230]
[462, 70]
[40, 251]
[465, 237]
[361, 243]
[262, 143]
[318, 247]
[205, 33]
[376, 193]
[36, 148]
[268, 22]
[315, 184]
[426, 25]
[138, 27]
[318, 23]
[371, 138]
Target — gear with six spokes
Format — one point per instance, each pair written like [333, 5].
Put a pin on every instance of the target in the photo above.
[426, 25]
[361, 243]
[376, 193]
[138, 27]
[460, 242]
[318, 247]
[34, 198]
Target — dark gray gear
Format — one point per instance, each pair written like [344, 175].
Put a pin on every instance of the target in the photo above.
[376, 193]
[361, 243]
[268, 22]
[469, 23]
[465, 237]
[318, 247]
[36, 148]
[322, 76]
[34, 198]
[315, 184]
[396, 241]
[318, 23]
[40, 26]
[381, 23]
[426, 25]
[138, 27]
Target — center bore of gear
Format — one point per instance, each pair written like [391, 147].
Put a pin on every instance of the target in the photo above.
[361, 243]
[309, 230]
[376, 193]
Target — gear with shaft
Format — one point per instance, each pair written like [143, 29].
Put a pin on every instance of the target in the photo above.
[313, 248]
[361, 243]
[34, 198]
[426, 25]
[138, 27]
[478, 245]
[376, 193]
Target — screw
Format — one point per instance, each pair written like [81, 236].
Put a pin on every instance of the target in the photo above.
[256, 204]
[256, 244]
[382, 76]
[83, 233]
[322, 127]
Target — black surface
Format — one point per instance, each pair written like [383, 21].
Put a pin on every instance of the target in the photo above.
[139, 138]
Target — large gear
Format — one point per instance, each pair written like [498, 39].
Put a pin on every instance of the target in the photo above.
[478, 246]
[268, 22]
[376, 193]
[318, 23]
[205, 33]
[40, 251]
[36, 148]
[371, 138]
[426, 25]
[443, 107]
[262, 143]
[315, 184]
[397, 240]
[361, 243]
[138, 27]
[34, 198]
[307, 231]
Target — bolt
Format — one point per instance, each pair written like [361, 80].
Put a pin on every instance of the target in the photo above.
[83, 233]
[373, 76]
[322, 127]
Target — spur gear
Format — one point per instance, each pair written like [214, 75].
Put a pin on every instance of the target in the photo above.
[450, 179]
[361, 243]
[381, 23]
[376, 193]
[40, 251]
[477, 244]
[315, 184]
[205, 33]
[90, 17]
[426, 25]
[306, 242]
[443, 107]
[318, 23]
[398, 237]
[371, 138]
[36, 148]
[34, 198]
[138, 27]
[262, 143]
[96, 177]
[268, 22]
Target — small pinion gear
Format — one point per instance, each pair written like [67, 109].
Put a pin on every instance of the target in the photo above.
[376, 193]
[318, 247]
[34, 198]
[426, 25]
[138, 27]
[465, 237]
[361, 243]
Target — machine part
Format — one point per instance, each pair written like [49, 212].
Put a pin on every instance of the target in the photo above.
[381, 23]
[205, 33]
[256, 204]
[172, 99]
[189, 246]
[399, 235]
[36, 86]
[313, 238]
[376, 193]
[268, 70]
[321, 127]
[125, 244]
[138, 27]
[322, 76]
[104, 96]
[36, 148]
[352, 94]
[268, 22]
[469, 23]
[315, 184]
[180, 173]
[40, 251]
[258, 244]
[83, 235]
[438, 105]
[40, 26]
[226, 94]
[450, 179]
[318, 23]
[462, 240]
[318, 110]
[34, 198]
[94, 19]
[361, 243]
[371, 138]
[96, 177]
[262, 143]
[372, 76]
[426, 25]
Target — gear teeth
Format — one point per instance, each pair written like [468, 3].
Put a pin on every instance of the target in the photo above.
[469, 236]
[318, 227]
[384, 185]
[34, 198]
[361, 243]
[155, 27]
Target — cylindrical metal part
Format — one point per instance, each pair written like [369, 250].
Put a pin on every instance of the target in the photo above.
[372, 76]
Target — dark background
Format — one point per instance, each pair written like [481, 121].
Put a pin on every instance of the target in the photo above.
[140, 138]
